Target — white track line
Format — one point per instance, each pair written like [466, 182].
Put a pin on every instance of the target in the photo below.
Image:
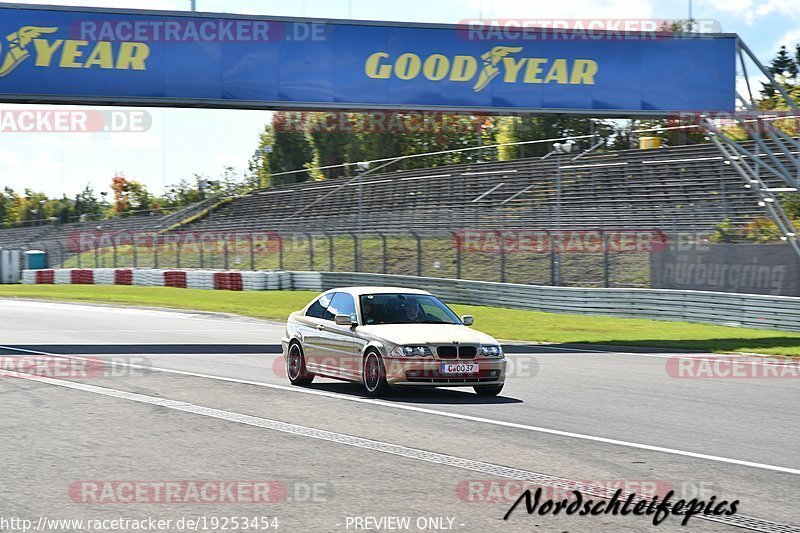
[456, 416]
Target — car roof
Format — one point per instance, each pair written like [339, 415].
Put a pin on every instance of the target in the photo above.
[359, 291]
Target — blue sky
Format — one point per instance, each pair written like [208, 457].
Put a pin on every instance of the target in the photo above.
[183, 142]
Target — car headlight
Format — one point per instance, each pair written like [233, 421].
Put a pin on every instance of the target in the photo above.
[491, 351]
[411, 351]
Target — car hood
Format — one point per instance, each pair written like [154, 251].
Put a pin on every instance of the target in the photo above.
[409, 334]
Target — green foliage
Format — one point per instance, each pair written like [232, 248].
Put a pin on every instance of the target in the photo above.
[791, 204]
[86, 203]
[6, 204]
[762, 230]
[723, 232]
[785, 68]
[291, 150]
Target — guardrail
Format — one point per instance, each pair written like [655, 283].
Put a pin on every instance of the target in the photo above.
[720, 308]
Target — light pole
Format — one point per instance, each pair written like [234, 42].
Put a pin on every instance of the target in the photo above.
[194, 5]
[361, 167]
[560, 149]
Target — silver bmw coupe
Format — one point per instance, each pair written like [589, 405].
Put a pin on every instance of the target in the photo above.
[385, 337]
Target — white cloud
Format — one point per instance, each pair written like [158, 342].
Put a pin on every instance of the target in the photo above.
[751, 10]
[789, 39]
[780, 7]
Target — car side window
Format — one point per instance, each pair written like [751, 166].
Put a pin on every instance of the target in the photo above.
[318, 308]
[342, 304]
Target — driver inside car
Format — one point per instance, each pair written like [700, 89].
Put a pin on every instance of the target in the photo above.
[414, 312]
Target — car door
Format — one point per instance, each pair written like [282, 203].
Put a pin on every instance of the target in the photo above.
[337, 344]
[312, 329]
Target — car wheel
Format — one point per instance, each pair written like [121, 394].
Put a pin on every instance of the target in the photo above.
[488, 390]
[296, 366]
[375, 375]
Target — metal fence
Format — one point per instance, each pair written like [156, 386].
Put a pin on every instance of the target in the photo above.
[569, 258]
[542, 257]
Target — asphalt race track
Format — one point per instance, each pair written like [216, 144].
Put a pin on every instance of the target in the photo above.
[185, 396]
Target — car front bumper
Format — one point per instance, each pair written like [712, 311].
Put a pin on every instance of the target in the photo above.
[404, 372]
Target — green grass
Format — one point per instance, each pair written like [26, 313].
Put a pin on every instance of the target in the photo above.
[506, 324]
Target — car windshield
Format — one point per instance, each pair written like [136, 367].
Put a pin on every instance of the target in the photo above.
[405, 309]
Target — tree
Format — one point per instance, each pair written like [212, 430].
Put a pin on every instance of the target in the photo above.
[131, 195]
[6, 203]
[119, 185]
[231, 183]
[782, 64]
[331, 139]
[291, 151]
[140, 197]
[785, 68]
[86, 204]
[182, 193]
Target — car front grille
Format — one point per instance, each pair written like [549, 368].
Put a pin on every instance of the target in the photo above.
[457, 352]
[447, 352]
[467, 352]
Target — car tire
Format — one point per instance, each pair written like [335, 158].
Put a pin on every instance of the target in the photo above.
[374, 375]
[296, 366]
[488, 390]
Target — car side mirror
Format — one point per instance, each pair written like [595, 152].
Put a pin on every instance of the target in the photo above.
[468, 320]
[343, 320]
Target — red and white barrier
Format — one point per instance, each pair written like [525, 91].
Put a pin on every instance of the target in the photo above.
[200, 279]
[182, 279]
[63, 277]
[104, 276]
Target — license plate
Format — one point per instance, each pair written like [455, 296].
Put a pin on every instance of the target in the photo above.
[459, 368]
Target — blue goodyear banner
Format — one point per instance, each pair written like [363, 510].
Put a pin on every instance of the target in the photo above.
[148, 58]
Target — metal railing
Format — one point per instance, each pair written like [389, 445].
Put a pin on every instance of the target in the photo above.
[725, 309]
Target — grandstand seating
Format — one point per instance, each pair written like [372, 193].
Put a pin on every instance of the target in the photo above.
[687, 188]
